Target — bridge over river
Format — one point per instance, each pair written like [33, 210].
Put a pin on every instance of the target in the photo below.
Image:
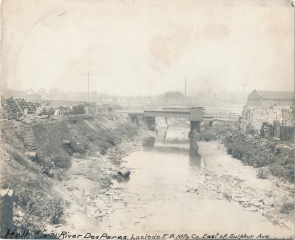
[194, 114]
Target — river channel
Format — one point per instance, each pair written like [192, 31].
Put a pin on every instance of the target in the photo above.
[157, 199]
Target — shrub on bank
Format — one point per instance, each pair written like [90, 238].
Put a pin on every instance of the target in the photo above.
[215, 132]
[252, 151]
[263, 173]
[49, 145]
[286, 172]
[98, 139]
[32, 194]
[78, 148]
[207, 136]
[287, 207]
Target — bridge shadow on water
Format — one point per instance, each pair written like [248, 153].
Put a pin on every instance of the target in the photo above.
[195, 160]
[166, 149]
[175, 146]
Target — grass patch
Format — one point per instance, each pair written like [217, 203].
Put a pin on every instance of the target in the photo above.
[50, 148]
[99, 139]
[31, 180]
[32, 193]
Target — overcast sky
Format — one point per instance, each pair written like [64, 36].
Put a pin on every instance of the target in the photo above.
[148, 47]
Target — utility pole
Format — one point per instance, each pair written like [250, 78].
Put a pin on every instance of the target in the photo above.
[88, 83]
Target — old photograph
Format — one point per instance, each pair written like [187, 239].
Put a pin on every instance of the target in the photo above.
[147, 119]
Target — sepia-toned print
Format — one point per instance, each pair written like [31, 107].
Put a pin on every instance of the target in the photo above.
[147, 120]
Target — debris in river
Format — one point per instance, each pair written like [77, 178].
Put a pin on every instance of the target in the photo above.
[31, 155]
[124, 172]
[227, 196]
[192, 190]
[66, 142]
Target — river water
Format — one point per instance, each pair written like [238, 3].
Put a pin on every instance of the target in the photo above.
[155, 199]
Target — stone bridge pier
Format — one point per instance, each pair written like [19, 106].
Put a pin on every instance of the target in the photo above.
[195, 125]
[133, 119]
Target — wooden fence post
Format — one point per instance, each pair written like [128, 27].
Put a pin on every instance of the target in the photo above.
[6, 211]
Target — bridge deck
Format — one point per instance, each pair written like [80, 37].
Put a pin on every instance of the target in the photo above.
[167, 114]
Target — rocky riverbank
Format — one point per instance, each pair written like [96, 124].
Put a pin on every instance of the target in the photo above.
[224, 177]
[47, 189]
[88, 194]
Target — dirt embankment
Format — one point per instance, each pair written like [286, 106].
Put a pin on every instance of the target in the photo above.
[48, 189]
[226, 178]
[269, 191]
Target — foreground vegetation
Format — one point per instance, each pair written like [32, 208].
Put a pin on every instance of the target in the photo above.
[35, 202]
[269, 155]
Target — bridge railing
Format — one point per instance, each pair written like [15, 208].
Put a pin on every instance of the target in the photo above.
[176, 109]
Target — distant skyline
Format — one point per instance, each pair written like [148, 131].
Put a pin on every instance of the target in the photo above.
[148, 47]
[36, 91]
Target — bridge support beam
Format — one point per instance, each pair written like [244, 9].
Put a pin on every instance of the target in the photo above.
[150, 123]
[195, 125]
[133, 119]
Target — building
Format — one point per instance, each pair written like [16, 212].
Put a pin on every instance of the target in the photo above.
[13, 93]
[270, 98]
[173, 94]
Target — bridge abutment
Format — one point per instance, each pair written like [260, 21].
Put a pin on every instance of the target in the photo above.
[150, 123]
[194, 114]
[134, 119]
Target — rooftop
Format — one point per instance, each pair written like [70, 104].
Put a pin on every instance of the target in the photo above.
[276, 94]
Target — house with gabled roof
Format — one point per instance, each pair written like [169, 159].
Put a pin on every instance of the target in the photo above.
[270, 98]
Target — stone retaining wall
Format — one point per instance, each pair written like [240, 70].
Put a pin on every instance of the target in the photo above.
[284, 115]
[278, 117]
